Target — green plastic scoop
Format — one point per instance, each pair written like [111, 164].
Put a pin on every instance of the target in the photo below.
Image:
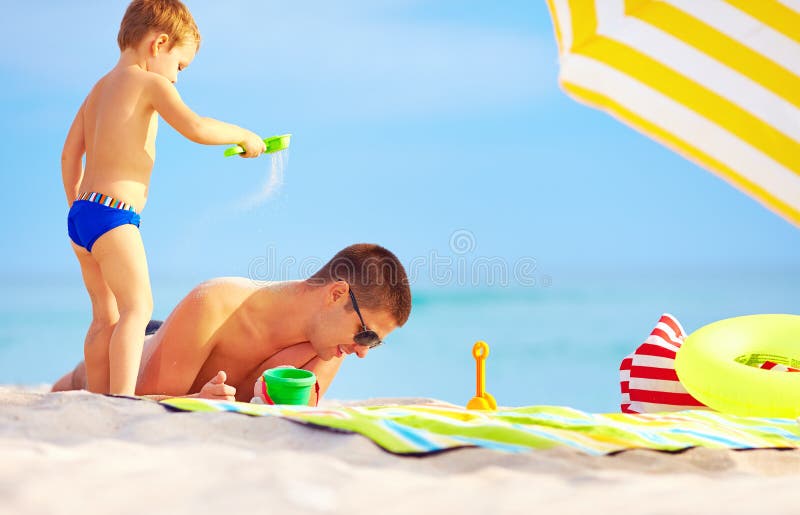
[274, 144]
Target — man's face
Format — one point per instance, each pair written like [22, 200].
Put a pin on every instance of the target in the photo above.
[337, 327]
[168, 62]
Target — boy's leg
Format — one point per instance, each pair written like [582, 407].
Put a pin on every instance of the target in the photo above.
[120, 253]
[104, 318]
[75, 379]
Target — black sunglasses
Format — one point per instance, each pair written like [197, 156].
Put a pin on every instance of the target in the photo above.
[367, 337]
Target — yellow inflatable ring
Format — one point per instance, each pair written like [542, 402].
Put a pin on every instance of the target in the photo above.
[718, 364]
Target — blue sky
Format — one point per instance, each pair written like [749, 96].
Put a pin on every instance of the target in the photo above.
[411, 120]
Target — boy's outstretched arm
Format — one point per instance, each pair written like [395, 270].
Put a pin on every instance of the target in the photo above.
[72, 157]
[166, 100]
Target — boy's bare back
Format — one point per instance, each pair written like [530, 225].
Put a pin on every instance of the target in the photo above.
[120, 125]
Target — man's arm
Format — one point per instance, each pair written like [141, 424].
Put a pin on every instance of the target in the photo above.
[325, 372]
[185, 342]
[158, 398]
[72, 157]
[216, 389]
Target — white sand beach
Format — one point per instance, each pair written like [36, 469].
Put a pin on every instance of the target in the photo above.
[76, 452]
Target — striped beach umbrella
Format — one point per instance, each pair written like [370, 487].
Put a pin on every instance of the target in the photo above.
[716, 81]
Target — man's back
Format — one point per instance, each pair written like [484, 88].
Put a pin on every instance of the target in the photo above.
[223, 324]
[120, 128]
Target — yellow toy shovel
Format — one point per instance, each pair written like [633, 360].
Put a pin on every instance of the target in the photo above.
[482, 400]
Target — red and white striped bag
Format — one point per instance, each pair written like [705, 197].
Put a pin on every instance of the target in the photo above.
[647, 377]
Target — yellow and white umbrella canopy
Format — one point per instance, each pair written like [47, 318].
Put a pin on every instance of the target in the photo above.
[717, 81]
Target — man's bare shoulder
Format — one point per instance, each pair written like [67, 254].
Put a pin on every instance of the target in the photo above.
[205, 307]
[213, 301]
[220, 294]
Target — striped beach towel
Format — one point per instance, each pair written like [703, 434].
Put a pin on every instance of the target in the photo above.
[648, 381]
[421, 429]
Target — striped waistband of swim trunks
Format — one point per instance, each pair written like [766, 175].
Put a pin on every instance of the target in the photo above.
[92, 196]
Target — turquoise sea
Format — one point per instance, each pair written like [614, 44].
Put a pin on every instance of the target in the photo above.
[557, 342]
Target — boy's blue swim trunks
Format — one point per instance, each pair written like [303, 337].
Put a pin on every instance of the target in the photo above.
[94, 214]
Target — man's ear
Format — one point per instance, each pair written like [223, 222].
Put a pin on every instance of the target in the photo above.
[338, 291]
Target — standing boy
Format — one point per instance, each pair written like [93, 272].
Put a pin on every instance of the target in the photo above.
[116, 128]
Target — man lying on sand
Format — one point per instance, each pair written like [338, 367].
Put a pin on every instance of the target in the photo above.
[227, 331]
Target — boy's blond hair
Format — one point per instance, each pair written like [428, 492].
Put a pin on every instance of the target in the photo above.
[168, 16]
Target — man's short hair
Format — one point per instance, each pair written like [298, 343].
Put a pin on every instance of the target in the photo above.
[376, 277]
[168, 16]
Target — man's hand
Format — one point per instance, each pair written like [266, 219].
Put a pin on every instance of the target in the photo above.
[217, 390]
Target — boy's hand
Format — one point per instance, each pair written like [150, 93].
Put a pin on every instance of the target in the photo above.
[252, 144]
[216, 389]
